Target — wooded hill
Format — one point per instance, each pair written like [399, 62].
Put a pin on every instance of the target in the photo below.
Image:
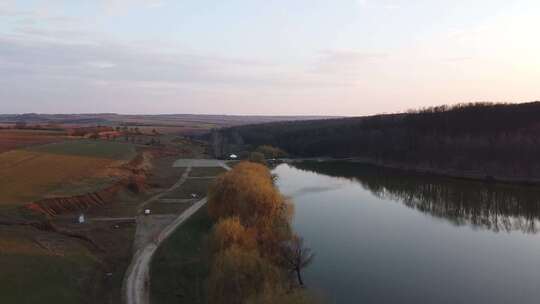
[481, 139]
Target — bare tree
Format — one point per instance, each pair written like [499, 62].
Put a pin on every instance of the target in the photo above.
[295, 257]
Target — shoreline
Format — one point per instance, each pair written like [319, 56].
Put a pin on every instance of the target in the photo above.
[448, 173]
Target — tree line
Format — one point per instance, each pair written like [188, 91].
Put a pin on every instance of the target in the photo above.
[489, 139]
[256, 257]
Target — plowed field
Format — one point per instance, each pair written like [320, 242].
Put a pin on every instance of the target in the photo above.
[31, 174]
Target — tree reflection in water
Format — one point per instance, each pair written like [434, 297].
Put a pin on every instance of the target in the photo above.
[497, 207]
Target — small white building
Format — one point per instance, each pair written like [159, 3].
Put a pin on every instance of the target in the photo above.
[81, 219]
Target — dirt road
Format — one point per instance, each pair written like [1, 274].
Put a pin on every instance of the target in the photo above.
[137, 279]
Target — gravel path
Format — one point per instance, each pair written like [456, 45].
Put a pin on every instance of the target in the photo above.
[137, 278]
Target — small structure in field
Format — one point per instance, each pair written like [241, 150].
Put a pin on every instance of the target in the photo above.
[147, 212]
[81, 219]
[233, 156]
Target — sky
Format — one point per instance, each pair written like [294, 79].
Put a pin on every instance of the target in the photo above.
[273, 57]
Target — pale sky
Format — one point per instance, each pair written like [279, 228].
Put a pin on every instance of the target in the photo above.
[328, 57]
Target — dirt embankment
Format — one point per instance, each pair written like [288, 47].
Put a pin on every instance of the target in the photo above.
[56, 206]
[132, 177]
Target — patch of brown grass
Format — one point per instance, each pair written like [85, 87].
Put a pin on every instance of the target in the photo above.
[26, 176]
[12, 139]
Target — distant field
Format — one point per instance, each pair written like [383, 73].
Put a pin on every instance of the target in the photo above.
[30, 174]
[12, 139]
[174, 123]
[89, 148]
[177, 130]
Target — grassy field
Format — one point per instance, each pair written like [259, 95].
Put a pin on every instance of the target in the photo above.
[40, 267]
[206, 171]
[33, 173]
[197, 186]
[158, 207]
[180, 266]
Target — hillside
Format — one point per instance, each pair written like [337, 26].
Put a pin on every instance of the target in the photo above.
[477, 140]
[172, 123]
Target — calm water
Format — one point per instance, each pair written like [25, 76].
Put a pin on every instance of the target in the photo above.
[382, 236]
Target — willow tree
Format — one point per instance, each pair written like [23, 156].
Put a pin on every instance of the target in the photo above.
[237, 274]
[295, 257]
[247, 192]
[230, 232]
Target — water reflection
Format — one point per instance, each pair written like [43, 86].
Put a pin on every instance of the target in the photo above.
[310, 190]
[482, 205]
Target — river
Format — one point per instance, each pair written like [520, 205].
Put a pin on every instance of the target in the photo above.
[385, 236]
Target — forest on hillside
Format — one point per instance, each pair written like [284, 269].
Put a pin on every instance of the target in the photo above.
[485, 139]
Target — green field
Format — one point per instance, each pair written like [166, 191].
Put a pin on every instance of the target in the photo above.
[197, 186]
[206, 171]
[167, 208]
[52, 279]
[181, 264]
[58, 270]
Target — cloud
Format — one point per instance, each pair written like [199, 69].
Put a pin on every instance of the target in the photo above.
[119, 7]
[458, 59]
[346, 62]
[376, 5]
[362, 2]
[35, 55]
[84, 72]
[352, 55]
[100, 64]
[391, 6]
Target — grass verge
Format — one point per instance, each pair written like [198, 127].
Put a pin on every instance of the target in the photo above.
[181, 264]
[206, 171]
[191, 186]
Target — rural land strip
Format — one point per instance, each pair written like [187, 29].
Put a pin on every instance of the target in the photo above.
[149, 237]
